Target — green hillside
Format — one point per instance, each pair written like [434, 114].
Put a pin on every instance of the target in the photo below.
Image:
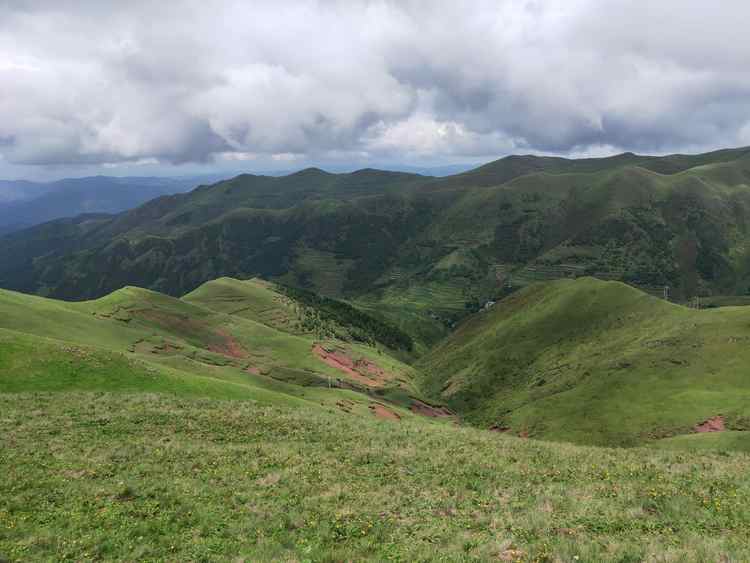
[142, 341]
[598, 363]
[399, 368]
[298, 311]
[419, 252]
[227, 425]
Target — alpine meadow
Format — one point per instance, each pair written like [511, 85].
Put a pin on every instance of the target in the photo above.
[311, 281]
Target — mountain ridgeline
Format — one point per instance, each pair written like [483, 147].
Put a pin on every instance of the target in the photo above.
[420, 251]
[24, 204]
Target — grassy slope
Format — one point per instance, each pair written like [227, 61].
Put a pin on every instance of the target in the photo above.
[595, 362]
[720, 441]
[635, 219]
[136, 339]
[84, 479]
[261, 301]
[252, 299]
[33, 364]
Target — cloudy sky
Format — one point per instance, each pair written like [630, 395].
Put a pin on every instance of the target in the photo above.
[141, 87]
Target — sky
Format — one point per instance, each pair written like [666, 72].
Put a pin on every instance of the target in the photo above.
[189, 86]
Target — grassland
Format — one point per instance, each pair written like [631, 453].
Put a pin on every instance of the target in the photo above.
[148, 477]
[139, 426]
[136, 340]
[717, 441]
[598, 363]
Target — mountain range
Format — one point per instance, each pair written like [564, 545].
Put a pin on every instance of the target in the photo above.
[421, 251]
[24, 204]
[538, 359]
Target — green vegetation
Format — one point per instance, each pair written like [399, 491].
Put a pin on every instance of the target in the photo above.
[143, 341]
[384, 240]
[716, 441]
[361, 326]
[228, 393]
[298, 311]
[147, 477]
[312, 410]
[723, 301]
[596, 363]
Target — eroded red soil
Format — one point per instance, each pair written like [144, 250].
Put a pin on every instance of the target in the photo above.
[229, 345]
[381, 411]
[714, 424]
[362, 371]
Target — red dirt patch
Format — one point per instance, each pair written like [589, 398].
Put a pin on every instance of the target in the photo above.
[252, 369]
[229, 347]
[422, 408]
[362, 371]
[714, 424]
[381, 411]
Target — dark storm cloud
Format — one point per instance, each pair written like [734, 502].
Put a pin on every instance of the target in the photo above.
[185, 81]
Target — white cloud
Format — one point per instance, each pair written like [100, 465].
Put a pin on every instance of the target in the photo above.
[185, 81]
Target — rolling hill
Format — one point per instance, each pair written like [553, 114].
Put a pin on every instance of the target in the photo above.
[250, 419]
[598, 363]
[228, 339]
[419, 251]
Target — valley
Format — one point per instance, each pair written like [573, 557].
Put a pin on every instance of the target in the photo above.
[383, 365]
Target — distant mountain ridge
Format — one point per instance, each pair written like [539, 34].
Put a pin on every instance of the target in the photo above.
[20, 190]
[24, 204]
[422, 251]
